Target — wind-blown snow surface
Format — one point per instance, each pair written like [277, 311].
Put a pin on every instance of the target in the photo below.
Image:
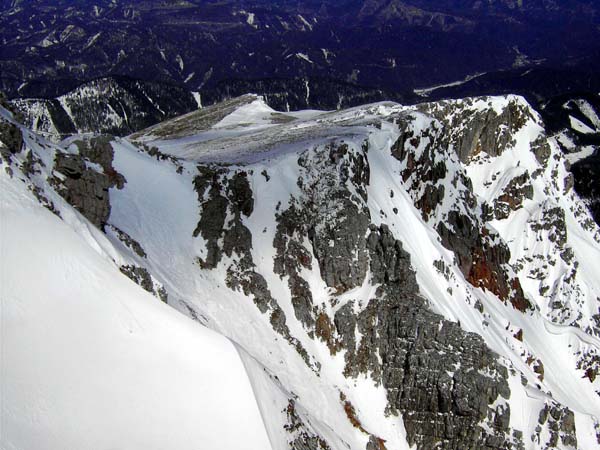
[300, 384]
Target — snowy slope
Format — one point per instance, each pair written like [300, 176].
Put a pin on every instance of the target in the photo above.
[383, 269]
[275, 150]
[90, 360]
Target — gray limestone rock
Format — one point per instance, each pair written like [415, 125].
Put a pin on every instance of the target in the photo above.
[334, 220]
[11, 140]
[541, 150]
[337, 219]
[224, 194]
[481, 257]
[11, 137]
[443, 380]
[473, 131]
[426, 158]
[553, 222]
[129, 242]
[513, 196]
[83, 188]
[560, 422]
[290, 258]
[302, 435]
[214, 210]
[141, 277]
[98, 149]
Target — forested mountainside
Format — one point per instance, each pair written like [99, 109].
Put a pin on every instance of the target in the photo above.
[51, 47]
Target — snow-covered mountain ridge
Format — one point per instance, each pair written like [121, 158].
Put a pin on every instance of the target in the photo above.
[392, 276]
[113, 105]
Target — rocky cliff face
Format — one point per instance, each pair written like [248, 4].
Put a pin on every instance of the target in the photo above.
[393, 276]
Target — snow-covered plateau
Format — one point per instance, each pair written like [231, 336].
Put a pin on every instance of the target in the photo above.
[381, 277]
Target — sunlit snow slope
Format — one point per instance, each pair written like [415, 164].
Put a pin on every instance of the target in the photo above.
[393, 277]
[90, 360]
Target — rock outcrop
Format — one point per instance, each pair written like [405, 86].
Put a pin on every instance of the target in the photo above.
[442, 380]
[84, 186]
[431, 157]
